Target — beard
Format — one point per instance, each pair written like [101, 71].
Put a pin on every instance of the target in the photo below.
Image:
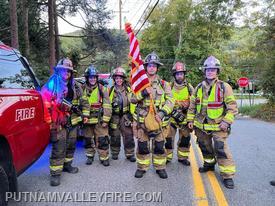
[179, 81]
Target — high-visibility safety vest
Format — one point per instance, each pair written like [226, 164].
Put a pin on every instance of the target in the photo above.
[214, 106]
[125, 109]
[182, 95]
[95, 102]
[214, 103]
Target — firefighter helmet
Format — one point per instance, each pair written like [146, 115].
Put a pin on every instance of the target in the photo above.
[91, 71]
[119, 72]
[178, 67]
[211, 62]
[65, 63]
[152, 58]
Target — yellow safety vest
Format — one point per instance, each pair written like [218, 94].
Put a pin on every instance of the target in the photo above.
[181, 95]
[214, 103]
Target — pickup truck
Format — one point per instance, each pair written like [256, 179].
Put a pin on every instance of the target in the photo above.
[24, 132]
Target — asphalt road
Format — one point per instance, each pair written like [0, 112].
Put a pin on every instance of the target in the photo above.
[252, 143]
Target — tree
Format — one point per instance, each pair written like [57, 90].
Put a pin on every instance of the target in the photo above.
[51, 34]
[14, 24]
[25, 17]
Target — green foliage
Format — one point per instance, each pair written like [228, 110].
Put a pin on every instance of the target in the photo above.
[261, 111]
[184, 31]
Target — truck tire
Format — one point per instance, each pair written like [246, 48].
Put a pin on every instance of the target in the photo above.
[4, 186]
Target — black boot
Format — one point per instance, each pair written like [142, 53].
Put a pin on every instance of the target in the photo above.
[228, 183]
[89, 160]
[131, 158]
[272, 182]
[55, 180]
[114, 156]
[105, 163]
[184, 162]
[69, 168]
[162, 173]
[206, 168]
[139, 173]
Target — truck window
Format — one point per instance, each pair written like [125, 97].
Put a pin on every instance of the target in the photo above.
[13, 74]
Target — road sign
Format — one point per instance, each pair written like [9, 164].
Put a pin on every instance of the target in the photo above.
[243, 81]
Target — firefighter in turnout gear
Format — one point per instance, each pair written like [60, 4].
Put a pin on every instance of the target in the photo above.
[211, 112]
[62, 97]
[121, 120]
[97, 112]
[182, 92]
[161, 95]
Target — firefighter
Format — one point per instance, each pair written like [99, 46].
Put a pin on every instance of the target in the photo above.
[161, 95]
[62, 98]
[211, 112]
[121, 120]
[99, 111]
[182, 92]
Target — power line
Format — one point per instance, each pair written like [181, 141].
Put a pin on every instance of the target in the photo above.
[143, 13]
[148, 16]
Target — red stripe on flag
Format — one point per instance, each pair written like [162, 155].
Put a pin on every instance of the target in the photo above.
[141, 85]
[138, 75]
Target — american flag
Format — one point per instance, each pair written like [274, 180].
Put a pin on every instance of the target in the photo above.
[139, 80]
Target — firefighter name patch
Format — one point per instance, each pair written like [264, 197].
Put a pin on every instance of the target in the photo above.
[25, 113]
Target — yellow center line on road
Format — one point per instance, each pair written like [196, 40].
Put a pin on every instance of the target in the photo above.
[218, 192]
[200, 195]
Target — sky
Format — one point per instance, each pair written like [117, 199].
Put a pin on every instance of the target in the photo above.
[131, 9]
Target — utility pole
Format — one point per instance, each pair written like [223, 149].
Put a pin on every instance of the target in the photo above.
[119, 3]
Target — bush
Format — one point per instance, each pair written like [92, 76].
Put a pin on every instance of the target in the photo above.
[261, 111]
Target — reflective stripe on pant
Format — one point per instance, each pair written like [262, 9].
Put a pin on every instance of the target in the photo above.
[144, 150]
[98, 134]
[223, 155]
[127, 134]
[183, 142]
[63, 148]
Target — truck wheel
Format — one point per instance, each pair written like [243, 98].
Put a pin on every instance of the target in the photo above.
[4, 186]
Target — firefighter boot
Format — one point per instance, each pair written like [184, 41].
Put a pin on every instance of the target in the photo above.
[184, 162]
[228, 183]
[139, 173]
[206, 168]
[89, 160]
[69, 168]
[131, 158]
[272, 182]
[114, 156]
[105, 163]
[162, 173]
[55, 180]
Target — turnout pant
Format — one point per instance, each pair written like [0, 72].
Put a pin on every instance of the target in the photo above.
[183, 142]
[150, 145]
[219, 152]
[63, 148]
[96, 137]
[121, 126]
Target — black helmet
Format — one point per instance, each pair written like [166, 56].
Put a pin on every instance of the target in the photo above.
[152, 58]
[91, 71]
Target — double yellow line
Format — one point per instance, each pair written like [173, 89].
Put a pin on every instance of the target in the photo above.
[200, 194]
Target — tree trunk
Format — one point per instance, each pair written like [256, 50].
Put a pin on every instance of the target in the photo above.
[14, 24]
[25, 17]
[51, 35]
[57, 42]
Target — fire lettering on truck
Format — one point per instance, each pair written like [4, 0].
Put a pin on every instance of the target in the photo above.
[25, 113]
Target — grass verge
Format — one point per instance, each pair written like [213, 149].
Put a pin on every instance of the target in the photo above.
[260, 111]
